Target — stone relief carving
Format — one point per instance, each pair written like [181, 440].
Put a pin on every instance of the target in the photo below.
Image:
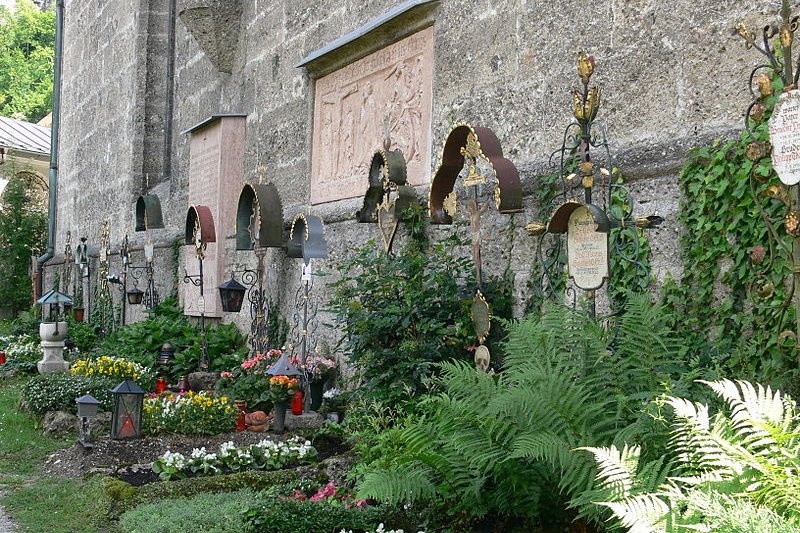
[387, 92]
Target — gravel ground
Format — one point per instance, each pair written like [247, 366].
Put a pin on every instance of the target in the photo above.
[6, 525]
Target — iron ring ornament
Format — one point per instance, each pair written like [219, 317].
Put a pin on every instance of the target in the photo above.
[466, 144]
[778, 202]
[259, 225]
[388, 195]
[148, 213]
[307, 238]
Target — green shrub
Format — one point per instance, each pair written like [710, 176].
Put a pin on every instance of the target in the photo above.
[57, 392]
[737, 472]
[283, 515]
[403, 314]
[204, 513]
[142, 341]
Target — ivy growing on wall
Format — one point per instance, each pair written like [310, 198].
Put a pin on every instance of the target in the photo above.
[729, 316]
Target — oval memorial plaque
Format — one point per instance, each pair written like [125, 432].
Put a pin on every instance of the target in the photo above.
[587, 250]
[784, 134]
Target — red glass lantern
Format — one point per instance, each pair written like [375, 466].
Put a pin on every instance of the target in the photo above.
[297, 403]
[183, 384]
[126, 418]
[2, 358]
[161, 385]
[242, 407]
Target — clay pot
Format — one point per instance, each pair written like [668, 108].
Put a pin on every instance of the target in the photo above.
[256, 418]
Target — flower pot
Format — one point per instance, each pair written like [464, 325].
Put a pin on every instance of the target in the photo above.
[77, 313]
[53, 331]
[316, 394]
[279, 420]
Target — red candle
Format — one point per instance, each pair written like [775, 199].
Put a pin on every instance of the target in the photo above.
[297, 403]
[2, 358]
[161, 385]
[242, 407]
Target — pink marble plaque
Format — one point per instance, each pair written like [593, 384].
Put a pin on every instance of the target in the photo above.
[215, 178]
[353, 106]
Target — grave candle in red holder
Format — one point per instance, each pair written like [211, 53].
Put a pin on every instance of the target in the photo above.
[161, 385]
[242, 407]
[2, 358]
[297, 403]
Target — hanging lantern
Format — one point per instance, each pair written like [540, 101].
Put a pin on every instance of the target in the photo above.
[135, 296]
[231, 294]
[126, 418]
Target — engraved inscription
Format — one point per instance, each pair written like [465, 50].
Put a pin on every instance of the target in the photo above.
[587, 251]
[387, 91]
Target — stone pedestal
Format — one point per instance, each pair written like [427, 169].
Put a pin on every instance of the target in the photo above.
[203, 380]
[308, 420]
[52, 336]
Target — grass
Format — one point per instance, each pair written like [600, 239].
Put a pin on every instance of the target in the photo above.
[24, 446]
[37, 503]
[59, 506]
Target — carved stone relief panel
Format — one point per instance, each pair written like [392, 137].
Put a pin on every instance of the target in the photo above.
[354, 107]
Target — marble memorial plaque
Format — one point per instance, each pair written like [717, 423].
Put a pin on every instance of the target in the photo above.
[353, 106]
[784, 134]
[216, 164]
[587, 250]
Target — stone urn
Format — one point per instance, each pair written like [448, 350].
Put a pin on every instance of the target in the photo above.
[53, 331]
[52, 335]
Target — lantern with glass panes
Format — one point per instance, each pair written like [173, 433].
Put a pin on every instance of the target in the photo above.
[87, 409]
[126, 417]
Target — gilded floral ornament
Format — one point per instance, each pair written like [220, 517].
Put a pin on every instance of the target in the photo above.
[451, 204]
[585, 67]
[777, 191]
[472, 151]
[792, 223]
[747, 35]
[536, 228]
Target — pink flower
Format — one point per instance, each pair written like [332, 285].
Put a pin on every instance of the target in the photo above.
[228, 375]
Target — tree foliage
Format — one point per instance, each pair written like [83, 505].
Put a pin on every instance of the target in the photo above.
[23, 229]
[27, 44]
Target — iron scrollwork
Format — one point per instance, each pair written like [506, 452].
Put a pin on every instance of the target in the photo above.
[579, 174]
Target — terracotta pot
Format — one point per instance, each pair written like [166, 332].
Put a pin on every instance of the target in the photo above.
[77, 313]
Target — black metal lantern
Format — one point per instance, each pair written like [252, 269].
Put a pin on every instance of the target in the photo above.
[135, 296]
[87, 408]
[166, 355]
[231, 294]
[126, 418]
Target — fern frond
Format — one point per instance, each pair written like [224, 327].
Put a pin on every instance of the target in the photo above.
[644, 513]
[617, 468]
[409, 483]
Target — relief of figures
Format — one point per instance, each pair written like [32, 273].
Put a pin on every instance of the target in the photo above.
[357, 108]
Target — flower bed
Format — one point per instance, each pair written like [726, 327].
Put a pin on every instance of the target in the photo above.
[193, 413]
[264, 455]
[22, 353]
[250, 382]
[110, 367]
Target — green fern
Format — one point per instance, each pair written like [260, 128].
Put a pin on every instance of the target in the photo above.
[507, 443]
[748, 460]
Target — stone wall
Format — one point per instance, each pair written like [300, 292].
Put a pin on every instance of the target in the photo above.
[673, 76]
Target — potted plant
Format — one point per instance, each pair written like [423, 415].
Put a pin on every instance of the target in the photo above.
[281, 390]
[318, 370]
[335, 404]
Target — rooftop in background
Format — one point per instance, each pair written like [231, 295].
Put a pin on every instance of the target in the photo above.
[24, 136]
